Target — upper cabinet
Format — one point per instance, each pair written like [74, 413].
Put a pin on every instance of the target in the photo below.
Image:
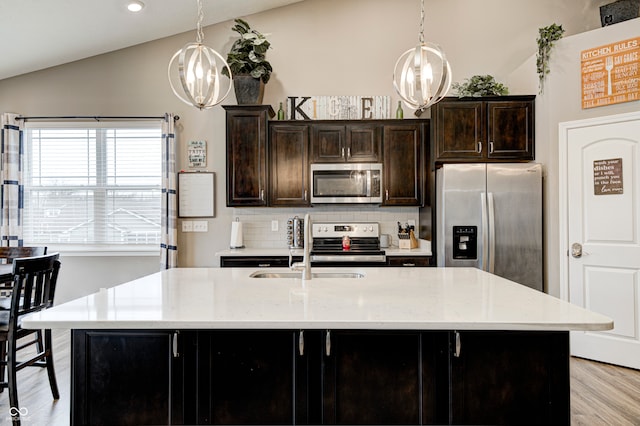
[247, 155]
[268, 161]
[288, 165]
[404, 163]
[484, 129]
[346, 142]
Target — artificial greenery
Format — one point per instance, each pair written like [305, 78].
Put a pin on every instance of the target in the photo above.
[480, 85]
[548, 35]
[248, 54]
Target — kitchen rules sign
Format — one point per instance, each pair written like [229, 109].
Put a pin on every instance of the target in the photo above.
[607, 177]
[611, 74]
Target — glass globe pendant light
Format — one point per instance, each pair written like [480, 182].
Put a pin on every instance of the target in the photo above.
[195, 72]
[422, 75]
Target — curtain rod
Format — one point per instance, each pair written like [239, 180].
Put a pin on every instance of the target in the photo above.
[95, 117]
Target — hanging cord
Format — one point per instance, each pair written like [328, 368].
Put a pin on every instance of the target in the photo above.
[421, 35]
[199, 32]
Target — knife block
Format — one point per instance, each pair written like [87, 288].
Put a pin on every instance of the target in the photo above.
[407, 241]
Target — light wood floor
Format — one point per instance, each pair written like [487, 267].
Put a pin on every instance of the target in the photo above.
[601, 394]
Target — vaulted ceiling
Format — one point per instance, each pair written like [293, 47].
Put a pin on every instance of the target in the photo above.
[37, 34]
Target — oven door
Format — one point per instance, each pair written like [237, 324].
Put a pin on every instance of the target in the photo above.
[346, 183]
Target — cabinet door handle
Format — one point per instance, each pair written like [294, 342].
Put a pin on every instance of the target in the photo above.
[343, 153]
[408, 264]
[262, 195]
[458, 345]
[327, 343]
[301, 343]
[479, 147]
[386, 194]
[174, 345]
[490, 147]
[305, 195]
[349, 153]
[264, 265]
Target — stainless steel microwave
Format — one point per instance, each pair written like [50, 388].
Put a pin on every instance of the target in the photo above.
[346, 183]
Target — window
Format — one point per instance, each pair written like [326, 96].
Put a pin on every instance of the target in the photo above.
[96, 185]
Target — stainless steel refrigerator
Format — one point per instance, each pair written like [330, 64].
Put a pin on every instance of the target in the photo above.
[490, 216]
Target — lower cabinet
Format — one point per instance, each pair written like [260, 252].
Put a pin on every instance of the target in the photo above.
[319, 377]
[125, 378]
[410, 261]
[509, 377]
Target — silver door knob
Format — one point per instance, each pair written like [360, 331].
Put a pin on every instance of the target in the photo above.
[576, 250]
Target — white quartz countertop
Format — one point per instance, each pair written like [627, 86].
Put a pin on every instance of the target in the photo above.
[386, 298]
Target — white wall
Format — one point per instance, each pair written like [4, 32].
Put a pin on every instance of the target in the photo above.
[561, 101]
[320, 47]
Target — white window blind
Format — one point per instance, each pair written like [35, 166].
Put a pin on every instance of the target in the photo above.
[96, 185]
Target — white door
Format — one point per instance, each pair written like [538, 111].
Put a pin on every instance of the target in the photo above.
[602, 204]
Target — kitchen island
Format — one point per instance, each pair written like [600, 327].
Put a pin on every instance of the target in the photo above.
[397, 345]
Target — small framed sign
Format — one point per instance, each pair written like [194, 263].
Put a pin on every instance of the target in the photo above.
[197, 153]
[607, 177]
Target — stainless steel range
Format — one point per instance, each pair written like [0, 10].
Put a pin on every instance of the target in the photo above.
[357, 242]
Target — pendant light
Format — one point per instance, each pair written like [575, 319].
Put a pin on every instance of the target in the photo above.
[422, 75]
[195, 72]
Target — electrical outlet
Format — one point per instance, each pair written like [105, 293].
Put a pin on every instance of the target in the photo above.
[411, 222]
[274, 225]
[200, 226]
[187, 226]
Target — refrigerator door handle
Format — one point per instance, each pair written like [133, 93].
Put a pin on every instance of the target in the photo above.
[492, 233]
[485, 230]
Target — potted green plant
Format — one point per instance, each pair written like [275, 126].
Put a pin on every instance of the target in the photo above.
[248, 64]
[480, 85]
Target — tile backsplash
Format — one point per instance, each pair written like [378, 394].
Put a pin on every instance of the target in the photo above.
[257, 231]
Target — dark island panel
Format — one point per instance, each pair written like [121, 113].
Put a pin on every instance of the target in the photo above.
[319, 377]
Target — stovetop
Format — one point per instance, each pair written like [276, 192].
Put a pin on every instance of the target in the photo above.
[363, 239]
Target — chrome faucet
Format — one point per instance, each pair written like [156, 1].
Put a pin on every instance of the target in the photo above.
[305, 266]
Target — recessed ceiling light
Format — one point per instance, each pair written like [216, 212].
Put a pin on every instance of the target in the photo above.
[135, 6]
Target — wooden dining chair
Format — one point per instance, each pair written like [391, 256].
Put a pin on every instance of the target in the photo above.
[35, 280]
[7, 254]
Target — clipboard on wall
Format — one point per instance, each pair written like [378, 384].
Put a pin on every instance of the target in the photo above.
[196, 194]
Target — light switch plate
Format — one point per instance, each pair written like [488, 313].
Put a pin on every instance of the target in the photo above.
[187, 226]
[200, 226]
[274, 225]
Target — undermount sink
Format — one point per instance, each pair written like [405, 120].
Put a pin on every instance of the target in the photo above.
[267, 274]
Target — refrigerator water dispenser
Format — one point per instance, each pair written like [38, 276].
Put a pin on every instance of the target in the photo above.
[465, 242]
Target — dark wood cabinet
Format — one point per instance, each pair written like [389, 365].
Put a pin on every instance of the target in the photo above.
[246, 128]
[288, 165]
[507, 377]
[268, 161]
[486, 129]
[246, 377]
[409, 261]
[319, 377]
[404, 177]
[377, 378]
[125, 378]
[339, 142]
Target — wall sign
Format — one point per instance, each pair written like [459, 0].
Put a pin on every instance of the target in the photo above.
[607, 177]
[196, 194]
[338, 107]
[611, 74]
[197, 153]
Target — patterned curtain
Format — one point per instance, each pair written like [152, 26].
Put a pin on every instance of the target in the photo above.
[169, 243]
[11, 184]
